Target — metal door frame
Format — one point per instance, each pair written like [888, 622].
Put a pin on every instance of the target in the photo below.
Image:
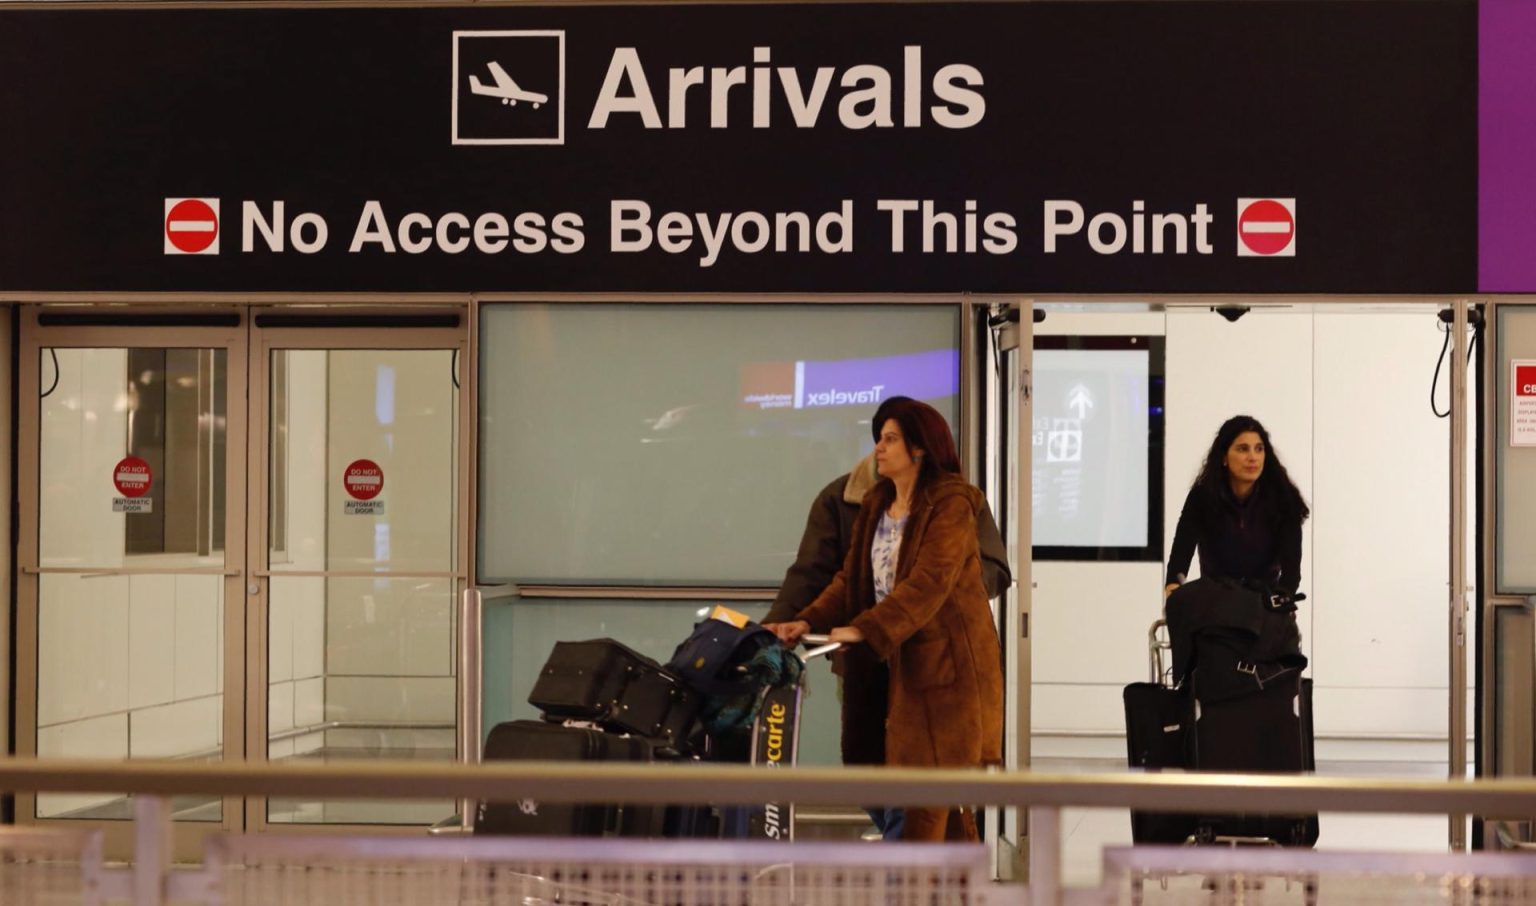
[1507, 706]
[263, 341]
[34, 339]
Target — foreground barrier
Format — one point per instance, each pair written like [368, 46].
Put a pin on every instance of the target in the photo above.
[50, 866]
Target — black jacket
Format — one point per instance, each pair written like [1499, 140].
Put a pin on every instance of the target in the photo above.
[1238, 638]
[1251, 541]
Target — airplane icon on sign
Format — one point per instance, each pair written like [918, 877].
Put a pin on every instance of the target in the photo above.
[505, 88]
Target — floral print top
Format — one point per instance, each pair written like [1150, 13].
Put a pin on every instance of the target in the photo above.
[883, 553]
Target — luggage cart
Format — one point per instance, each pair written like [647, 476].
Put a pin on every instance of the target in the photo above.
[776, 742]
[1229, 889]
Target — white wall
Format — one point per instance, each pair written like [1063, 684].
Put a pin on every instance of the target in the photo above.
[1345, 397]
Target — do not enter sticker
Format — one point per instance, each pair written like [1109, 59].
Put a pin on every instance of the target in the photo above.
[363, 480]
[133, 478]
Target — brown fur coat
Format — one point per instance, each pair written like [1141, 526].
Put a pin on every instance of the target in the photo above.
[934, 631]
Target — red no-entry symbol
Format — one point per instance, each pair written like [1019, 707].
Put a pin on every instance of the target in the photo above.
[1266, 227]
[132, 477]
[191, 226]
[363, 479]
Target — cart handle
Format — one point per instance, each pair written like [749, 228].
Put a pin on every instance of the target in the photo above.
[823, 645]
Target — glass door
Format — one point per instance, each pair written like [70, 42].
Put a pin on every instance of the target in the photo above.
[131, 550]
[359, 494]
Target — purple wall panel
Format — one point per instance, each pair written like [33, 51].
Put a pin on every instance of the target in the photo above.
[1507, 146]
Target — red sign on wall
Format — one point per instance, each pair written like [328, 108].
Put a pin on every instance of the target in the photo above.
[363, 479]
[1522, 403]
[1525, 380]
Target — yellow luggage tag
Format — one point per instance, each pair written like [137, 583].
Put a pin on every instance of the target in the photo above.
[726, 615]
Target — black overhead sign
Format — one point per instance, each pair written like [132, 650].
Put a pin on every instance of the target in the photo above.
[989, 147]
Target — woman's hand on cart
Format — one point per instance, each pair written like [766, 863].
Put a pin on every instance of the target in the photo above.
[789, 633]
[846, 635]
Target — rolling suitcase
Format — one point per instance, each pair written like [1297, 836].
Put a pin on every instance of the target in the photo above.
[1157, 722]
[616, 687]
[1158, 719]
[1270, 730]
[535, 740]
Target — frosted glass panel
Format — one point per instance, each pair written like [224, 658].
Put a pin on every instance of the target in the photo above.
[1516, 537]
[683, 444]
[519, 636]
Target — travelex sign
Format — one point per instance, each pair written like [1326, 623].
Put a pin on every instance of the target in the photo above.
[929, 374]
[819, 148]
[904, 225]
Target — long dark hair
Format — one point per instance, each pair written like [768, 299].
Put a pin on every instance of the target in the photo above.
[1274, 482]
[923, 428]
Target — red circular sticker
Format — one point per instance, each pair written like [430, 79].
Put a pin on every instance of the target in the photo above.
[1266, 227]
[132, 477]
[191, 225]
[363, 479]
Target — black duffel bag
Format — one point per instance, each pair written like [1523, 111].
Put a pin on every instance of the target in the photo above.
[616, 687]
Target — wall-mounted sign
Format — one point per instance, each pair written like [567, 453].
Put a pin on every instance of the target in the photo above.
[191, 226]
[1266, 227]
[363, 480]
[1522, 403]
[133, 478]
[944, 147]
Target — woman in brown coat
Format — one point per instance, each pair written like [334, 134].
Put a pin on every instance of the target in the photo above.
[911, 590]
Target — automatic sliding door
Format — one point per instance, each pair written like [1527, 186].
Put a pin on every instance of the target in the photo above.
[360, 556]
[131, 548]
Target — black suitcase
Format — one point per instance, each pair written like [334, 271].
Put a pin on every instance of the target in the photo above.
[534, 740]
[1270, 730]
[1157, 727]
[610, 684]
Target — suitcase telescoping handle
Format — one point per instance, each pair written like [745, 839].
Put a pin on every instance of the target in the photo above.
[1157, 651]
[818, 645]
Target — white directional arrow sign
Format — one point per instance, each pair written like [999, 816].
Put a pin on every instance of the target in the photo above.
[1079, 400]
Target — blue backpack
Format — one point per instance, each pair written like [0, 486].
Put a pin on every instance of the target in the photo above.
[708, 660]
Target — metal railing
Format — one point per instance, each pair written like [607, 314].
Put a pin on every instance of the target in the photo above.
[1511, 798]
[1044, 795]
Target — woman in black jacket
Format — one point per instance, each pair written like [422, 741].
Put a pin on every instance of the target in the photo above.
[1243, 513]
